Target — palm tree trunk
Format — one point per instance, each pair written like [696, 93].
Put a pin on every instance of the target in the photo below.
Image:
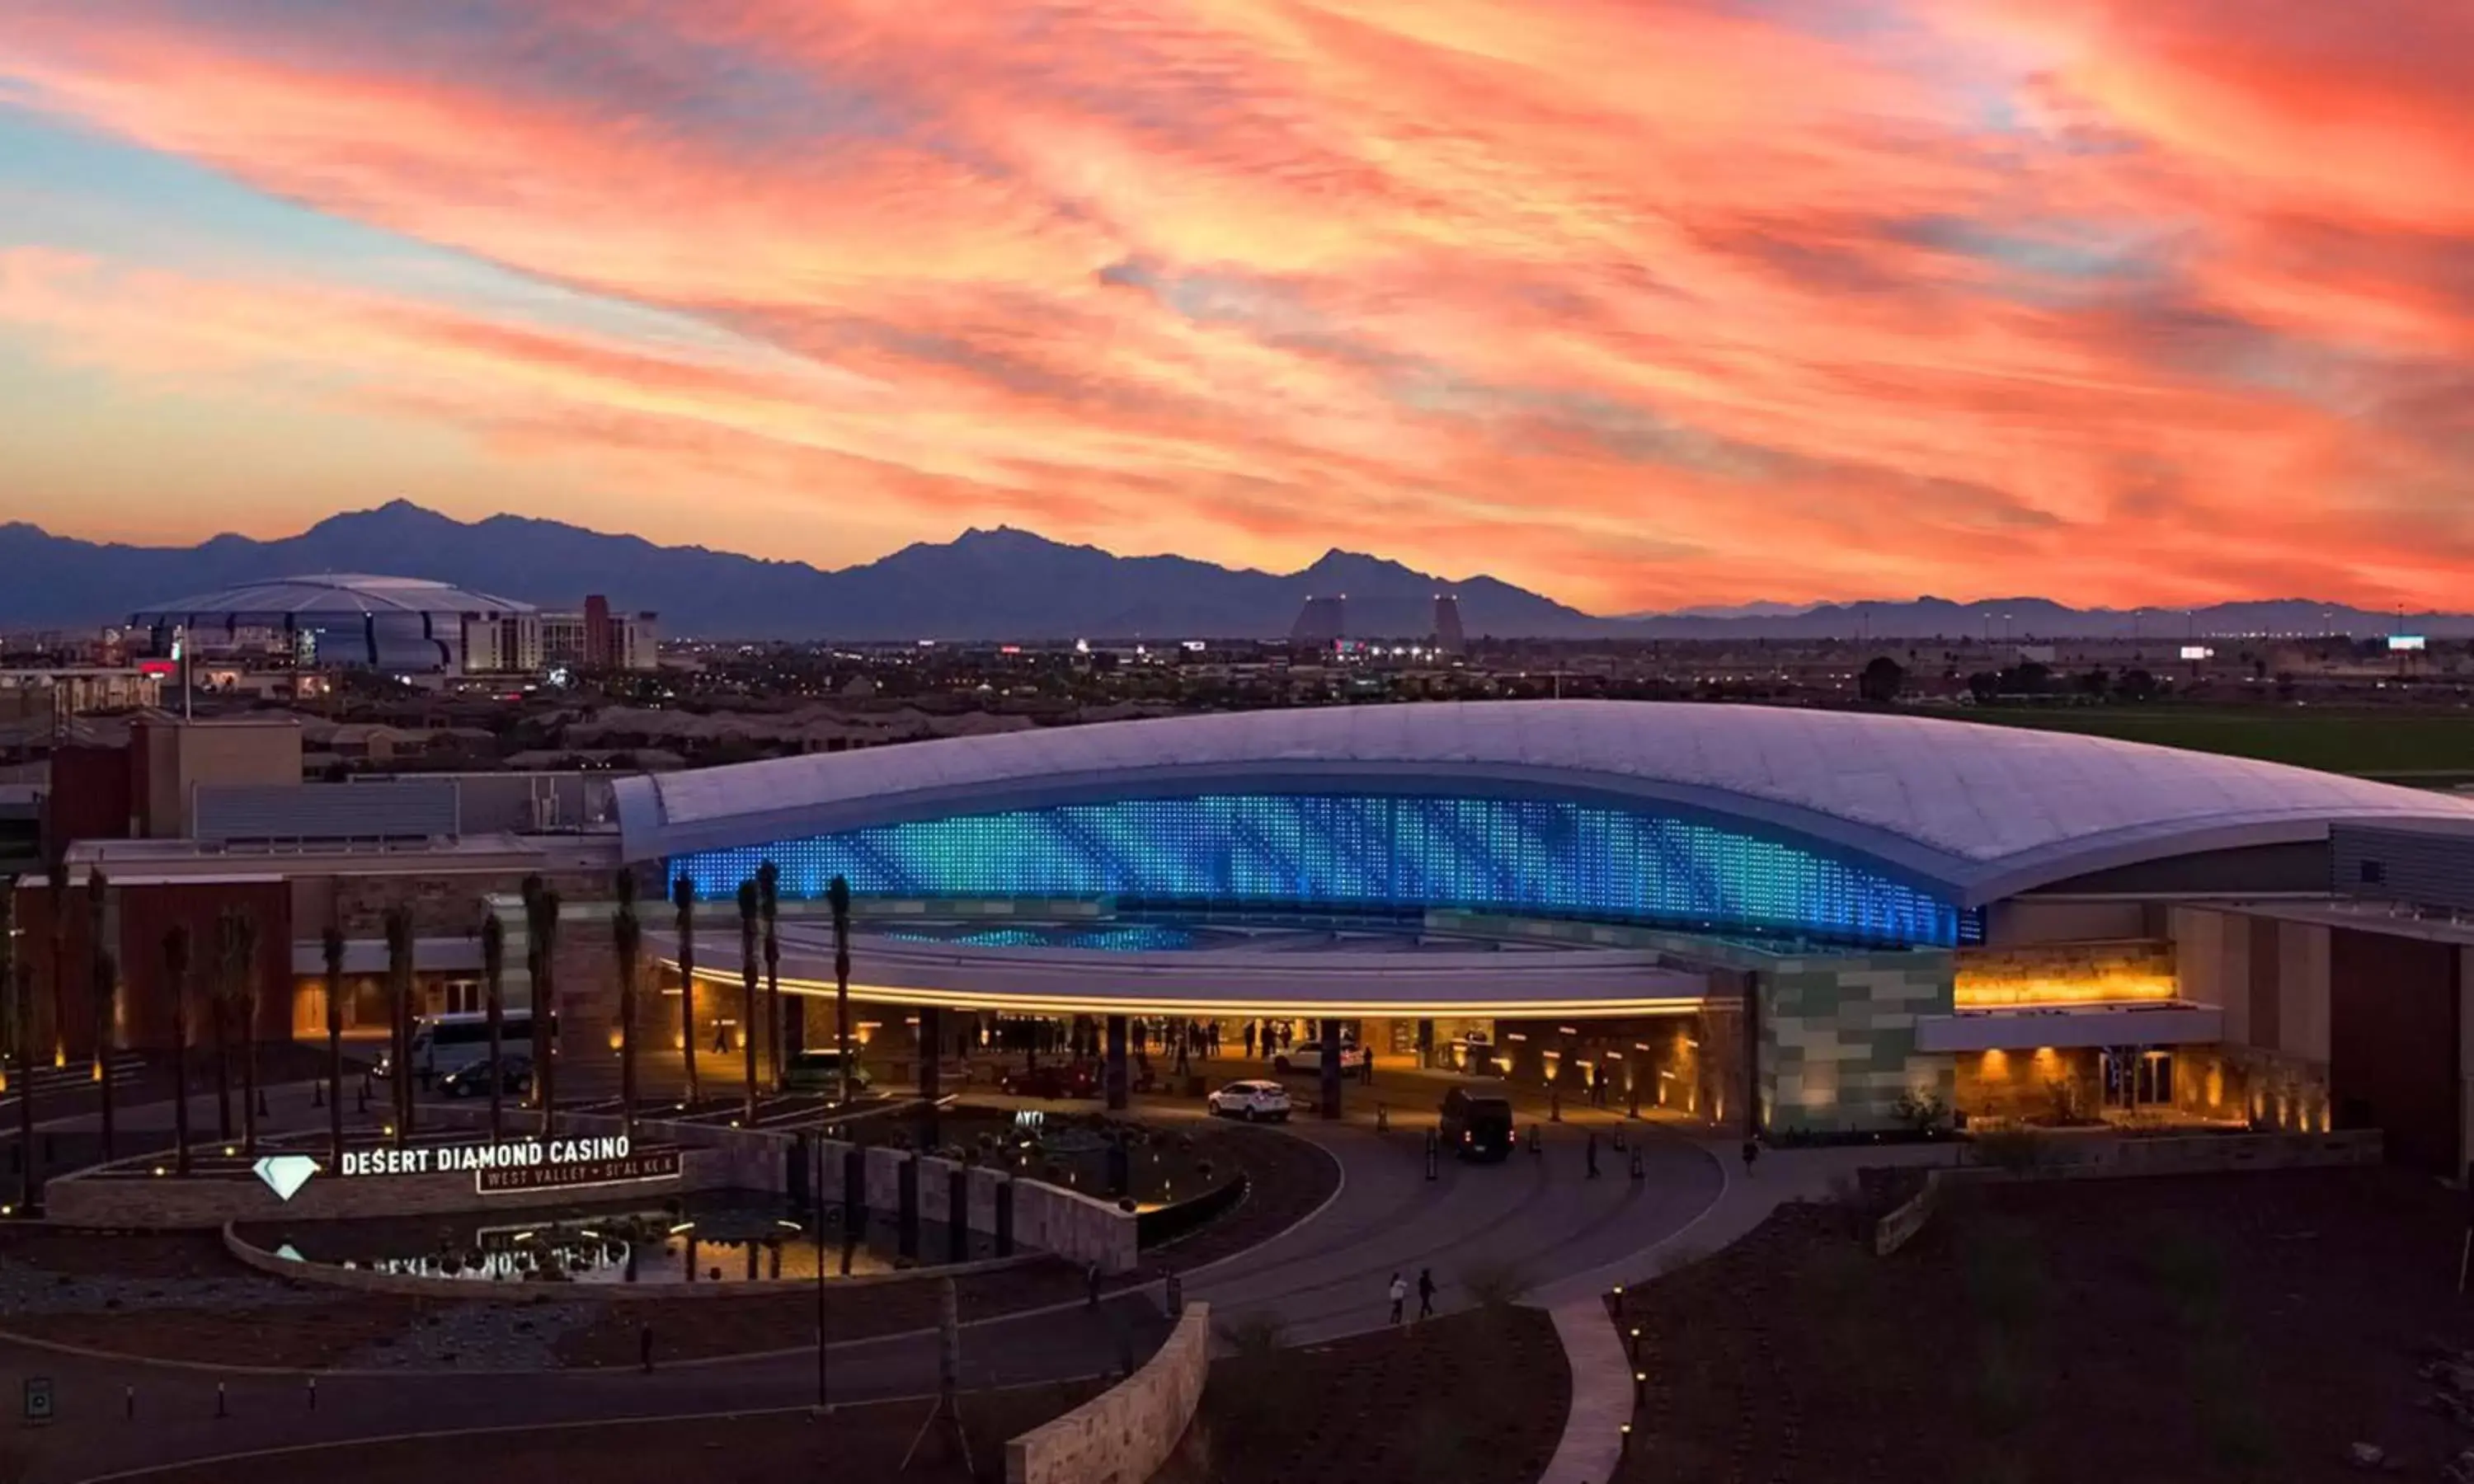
[223, 1065]
[493, 976]
[176, 967]
[334, 949]
[626, 937]
[683, 894]
[747, 982]
[107, 975]
[839, 894]
[249, 1069]
[27, 1182]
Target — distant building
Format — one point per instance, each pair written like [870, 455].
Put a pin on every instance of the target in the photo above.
[599, 639]
[33, 694]
[1449, 637]
[341, 621]
[1322, 621]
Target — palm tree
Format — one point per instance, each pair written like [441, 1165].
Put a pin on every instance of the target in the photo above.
[400, 972]
[17, 977]
[683, 896]
[494, 979]
[55, 875]
[245, 1010]
[627, 936]
[236, 948]
[768, 894]
[106, 967]
[176, 970]
[838, 895]
[333, 946]
[747, 908]
[545, 965]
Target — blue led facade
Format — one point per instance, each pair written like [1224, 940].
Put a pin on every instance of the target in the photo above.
[1343, 851]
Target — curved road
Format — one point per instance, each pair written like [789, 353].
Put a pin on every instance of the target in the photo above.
[1320, 1278]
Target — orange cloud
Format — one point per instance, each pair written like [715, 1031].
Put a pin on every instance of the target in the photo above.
[1640, 303]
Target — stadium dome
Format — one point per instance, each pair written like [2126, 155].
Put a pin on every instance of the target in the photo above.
[353, 618]
[1868, 825]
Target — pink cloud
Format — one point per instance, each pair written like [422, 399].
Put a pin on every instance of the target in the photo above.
[1640, 303]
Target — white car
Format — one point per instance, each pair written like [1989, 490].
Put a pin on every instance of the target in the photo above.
[1306, 1056]
[1251, 1101]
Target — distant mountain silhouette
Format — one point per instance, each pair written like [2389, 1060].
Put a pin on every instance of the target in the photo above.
[1009, 583]
[1000, 583]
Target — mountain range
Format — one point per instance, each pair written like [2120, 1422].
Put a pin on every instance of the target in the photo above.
[1009, 583]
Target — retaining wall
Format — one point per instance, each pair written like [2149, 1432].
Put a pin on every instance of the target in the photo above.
[1123, 1435]
[2099, 1157]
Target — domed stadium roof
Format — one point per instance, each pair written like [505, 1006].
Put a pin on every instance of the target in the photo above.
[1985, 811]
[323, 597]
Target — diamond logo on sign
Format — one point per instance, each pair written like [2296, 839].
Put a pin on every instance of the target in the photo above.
[285, 1174]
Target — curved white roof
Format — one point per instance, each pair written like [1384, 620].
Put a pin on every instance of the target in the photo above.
[326, 595]
[1987, 810]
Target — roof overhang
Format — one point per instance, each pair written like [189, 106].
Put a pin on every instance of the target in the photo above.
[1066, 981]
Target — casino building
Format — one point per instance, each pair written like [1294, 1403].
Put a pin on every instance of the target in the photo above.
[1808, 922]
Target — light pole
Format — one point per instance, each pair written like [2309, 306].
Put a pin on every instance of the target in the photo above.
[817, 1230]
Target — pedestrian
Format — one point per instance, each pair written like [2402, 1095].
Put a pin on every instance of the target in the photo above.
[1591, 1153]
[721, 1039]
[1215, 1040]
[1366, 1068]
[1751, 1152]
[1091, 1276]
[1426, 1293]
[1399, 1297]
[1249, 1041]
[644, 1345]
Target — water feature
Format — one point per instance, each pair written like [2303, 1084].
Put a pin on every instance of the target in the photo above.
[716, 1236]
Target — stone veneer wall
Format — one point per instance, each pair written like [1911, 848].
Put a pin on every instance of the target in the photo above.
[1126, 1433]
[1837, 1039]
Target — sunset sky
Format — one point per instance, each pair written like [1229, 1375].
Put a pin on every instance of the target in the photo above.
[1639, 303]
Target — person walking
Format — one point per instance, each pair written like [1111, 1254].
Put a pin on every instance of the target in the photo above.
[1590, 1152]
[1249, 1041]
[1091, 1276]
[1751, 1152]
[644, 1345]
[1399, 1297]
[1426, 1293]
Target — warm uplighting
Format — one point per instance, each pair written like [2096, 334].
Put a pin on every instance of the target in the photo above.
[96, 1074]
[231, 1149]
[1982, 991]
[159, 1169]
[59, 1057]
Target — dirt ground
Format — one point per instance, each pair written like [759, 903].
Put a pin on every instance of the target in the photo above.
[2203, 1330]
[854, 1443]
[1475, 1398]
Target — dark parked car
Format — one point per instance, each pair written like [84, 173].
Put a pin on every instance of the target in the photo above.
[1053, 1079]
[1477, 1125]
[473, 1078]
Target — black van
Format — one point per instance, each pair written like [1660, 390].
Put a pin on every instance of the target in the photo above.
[1477, 1125]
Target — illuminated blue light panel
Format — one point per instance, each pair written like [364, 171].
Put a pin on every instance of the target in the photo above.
[1355, 851]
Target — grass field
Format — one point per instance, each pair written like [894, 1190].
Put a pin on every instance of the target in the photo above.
[2412, 746]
